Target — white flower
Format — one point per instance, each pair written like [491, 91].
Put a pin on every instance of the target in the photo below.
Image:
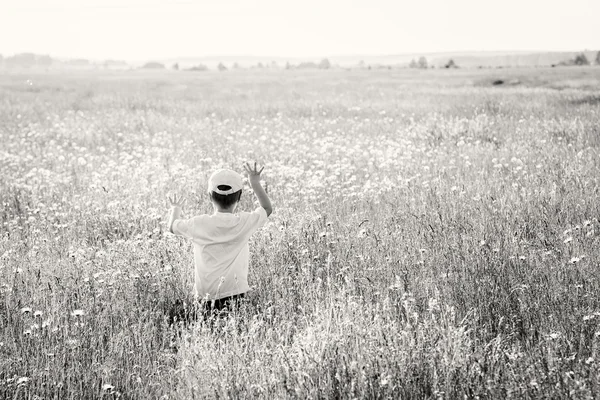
[78, 313]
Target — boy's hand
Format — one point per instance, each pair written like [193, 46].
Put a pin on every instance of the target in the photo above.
[253, 172]
[261, 195]
[176, 202]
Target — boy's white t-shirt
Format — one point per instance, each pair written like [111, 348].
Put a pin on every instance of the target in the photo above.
[221, 252]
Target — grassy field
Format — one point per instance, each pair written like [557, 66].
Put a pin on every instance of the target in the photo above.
[434, 235]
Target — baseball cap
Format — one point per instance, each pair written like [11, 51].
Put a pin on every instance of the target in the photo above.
[225, 177]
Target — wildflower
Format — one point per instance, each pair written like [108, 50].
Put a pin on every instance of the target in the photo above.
[107, 387]
[27, 332]
[25, 310]
[38, 313]
[574, 260]
[568, 240]
[22, 380]
[78, 313]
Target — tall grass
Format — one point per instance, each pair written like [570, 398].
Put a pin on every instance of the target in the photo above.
[435, 236]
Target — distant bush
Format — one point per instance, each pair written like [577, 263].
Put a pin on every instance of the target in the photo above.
[153, 65]
[221, 67]
[307, 65]
[598, 58]
[199, 67]
[176, 67]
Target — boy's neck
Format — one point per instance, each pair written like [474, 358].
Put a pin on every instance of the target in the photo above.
[224, 210]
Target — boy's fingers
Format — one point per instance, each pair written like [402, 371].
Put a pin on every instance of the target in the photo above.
[261, 170]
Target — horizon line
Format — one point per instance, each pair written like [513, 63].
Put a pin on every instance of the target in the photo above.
[296, 57]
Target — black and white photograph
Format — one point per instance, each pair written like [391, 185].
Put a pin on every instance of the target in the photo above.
[316, 199]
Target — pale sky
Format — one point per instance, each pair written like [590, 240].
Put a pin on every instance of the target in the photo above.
[153, 29]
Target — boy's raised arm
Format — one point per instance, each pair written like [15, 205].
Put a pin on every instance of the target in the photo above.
[176, 205]
[261, 195]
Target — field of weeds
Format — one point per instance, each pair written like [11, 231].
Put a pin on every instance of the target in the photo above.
[434, 235]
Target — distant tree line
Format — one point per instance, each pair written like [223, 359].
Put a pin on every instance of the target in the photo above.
[30, 60]
[27, 60]
[580, 59]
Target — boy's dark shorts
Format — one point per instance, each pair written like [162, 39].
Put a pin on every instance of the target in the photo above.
[182, 312]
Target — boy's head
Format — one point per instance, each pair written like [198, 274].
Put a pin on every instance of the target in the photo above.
[225, 188]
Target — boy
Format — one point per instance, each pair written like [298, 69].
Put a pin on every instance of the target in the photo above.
[221, 240]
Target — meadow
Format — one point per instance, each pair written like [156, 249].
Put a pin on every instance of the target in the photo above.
[434, 235]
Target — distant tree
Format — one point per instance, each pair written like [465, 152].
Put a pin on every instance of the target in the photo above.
[260, 65]
[451, 64]
[176, 67]
[581, 59]
[324, 64]
[597, 58]
[199, 67]
[413, 64]
[235, 66]
[153, 65]
[274, 64]
[361, 64]
[288, 65]
[422, 62]
[221, 67]
[1, 59]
